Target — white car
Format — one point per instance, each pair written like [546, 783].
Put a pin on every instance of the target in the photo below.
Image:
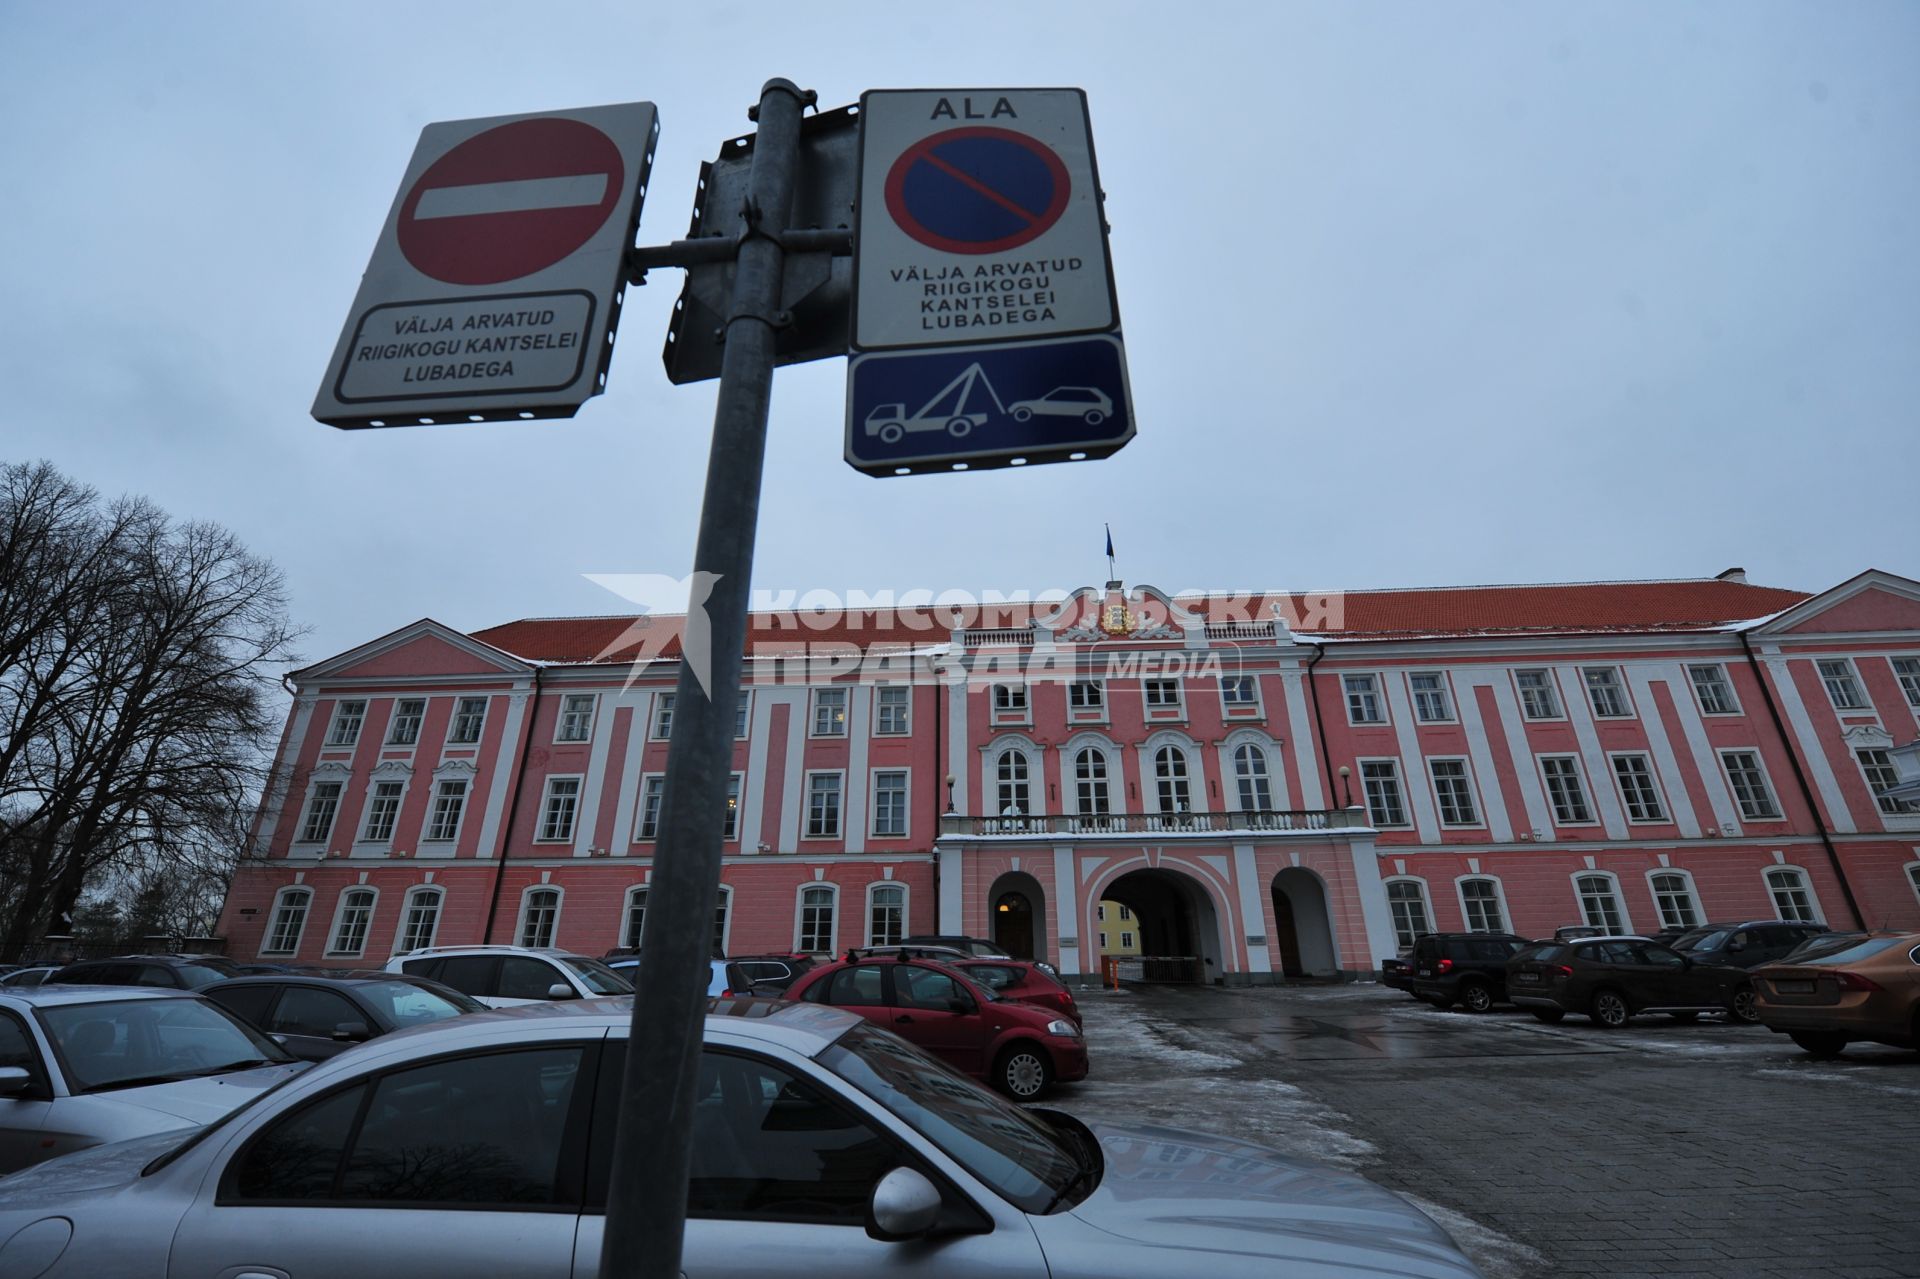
[1088, 403]
[502, 976]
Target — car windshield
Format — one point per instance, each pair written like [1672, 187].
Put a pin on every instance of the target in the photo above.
[128, 1043]
[1704, 939]
[405, 1004]
[1853, 954]
[1006, 1147]
[596, 976]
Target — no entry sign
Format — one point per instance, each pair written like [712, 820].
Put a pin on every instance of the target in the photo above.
[494, 286]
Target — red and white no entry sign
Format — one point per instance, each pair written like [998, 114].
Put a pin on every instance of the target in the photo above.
[511, 201]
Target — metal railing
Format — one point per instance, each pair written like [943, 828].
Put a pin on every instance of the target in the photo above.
[996, 635]
[1240, 630]
[1123, 824]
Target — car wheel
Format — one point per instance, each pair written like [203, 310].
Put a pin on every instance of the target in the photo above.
[1023, 1073]
[1821, 1043]
[1476, 996]
[1023, 415]
[891, 433]
[958, 427]
[1744, 1009]
[1095, 417]
[1549, 1015]
[1685, 1016]
[1610, 1010]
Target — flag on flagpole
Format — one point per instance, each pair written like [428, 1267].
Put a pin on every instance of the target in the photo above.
[1109, 529]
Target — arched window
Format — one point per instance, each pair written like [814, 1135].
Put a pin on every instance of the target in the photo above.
[1480, 902]
[1792, 899]
[420, 918]
[288, 922]
[539, 917]
[1407, 898]
[1250, 771]
[1600, 902]
[886, 914]
[351, 923]
[814, 936]
[1673, 894]
[1170, 775]
[1011, 772]
[1090, 783]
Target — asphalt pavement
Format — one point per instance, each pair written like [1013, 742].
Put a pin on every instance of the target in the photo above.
[1661, 1149]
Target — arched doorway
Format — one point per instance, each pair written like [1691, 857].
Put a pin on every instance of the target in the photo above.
[1303, 925]
[1017, 915]
[1177, 921]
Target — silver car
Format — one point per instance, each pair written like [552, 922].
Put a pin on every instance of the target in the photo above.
[84, 1065]
[480, 1147]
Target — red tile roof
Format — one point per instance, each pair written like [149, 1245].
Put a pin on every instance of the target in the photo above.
[1569, 608]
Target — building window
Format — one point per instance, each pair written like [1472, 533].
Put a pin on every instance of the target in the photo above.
[1454, 789]
[1843, 686]
[720, 909]
[1599, 903]
[633, 924]
[1749, 784]
[1103, 941]
[1010, 777]
[289, 921]
[1380, 779]
[893, 710]
[1250, 773]
[320, 812]
[540, 915]
[1363, 699]
[1481, 900]
[1637, 791]
[1881, 775]
[1170, 778]
[816, 920]
[730, 824]
[890, 804]
[469, 716]
[886, 915]
[742, 710]
[1674, 897]
[1430, 702]
[662, 716]
[1100, 912]
[1907, 671]
[1239, 694]
[1162, 696]
[823, 805]
[382, 811]
[648, 825]
[405, 728]
[1086, 699]
[1792, 899]
[449, 801]
[347, 718]
[576, 718]
[1407, 899]
[1537, 697]
[1913, 877]
[557, 813]
[1711, 686]
[1126, 913]
[1009, 702]
[420, 920]
[356, 913]
[1090, 783]
[829, 712]
[1563, 788]
[1126, 941]
[1604, 692]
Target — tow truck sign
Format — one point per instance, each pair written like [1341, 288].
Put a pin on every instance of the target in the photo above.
[495, 284]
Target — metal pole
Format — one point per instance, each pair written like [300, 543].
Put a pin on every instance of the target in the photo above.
[647, 1196]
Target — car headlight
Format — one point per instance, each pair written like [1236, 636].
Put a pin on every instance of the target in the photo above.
[1064, 1028]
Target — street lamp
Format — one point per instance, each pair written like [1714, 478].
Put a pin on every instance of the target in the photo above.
[951, 779]
[1346, 785]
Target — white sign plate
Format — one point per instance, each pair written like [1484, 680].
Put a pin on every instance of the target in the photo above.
[979, 219]
[494, 287]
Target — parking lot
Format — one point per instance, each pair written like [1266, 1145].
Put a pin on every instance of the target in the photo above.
[1659, 1149]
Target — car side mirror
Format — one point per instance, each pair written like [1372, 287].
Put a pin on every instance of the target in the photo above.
[560, 990]
[352, 1032]
[14, 1081]
[905, 1205]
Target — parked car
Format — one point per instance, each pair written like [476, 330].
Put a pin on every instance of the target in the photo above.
[501, 976]
[180, 972]
[1019, 1049]
[977, 946]
[1746, 946]
[1022, 982]
[316, 1017]
[1611, 979]
[1397, 973]
[1868, 992]
[1574, 932]
[774, 971]
[27, 978]
[1469, 969]
[724, 977]
[821, 1147]
[80, 1066]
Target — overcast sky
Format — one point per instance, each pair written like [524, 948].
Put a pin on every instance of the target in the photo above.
[1413, 295]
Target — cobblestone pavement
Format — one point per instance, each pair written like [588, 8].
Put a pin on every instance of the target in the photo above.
[1658, 1150]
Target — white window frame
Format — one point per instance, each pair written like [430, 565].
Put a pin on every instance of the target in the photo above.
[1018, 779]
[273, 919]
[1101, 787]
[840, 805]
[333, 819]
[1183, 780]
[660, 719]
[723, 917]
[1499, 900]
[821, 699]
[1421, 895]
[1580, 780]
[906, 803]
[1692, 890]
[743, 715]
[1909, 679]
[1653, 780]
[626, 917]
[366, 811]
[1549, 688]
[1375, 692]
[546, 800]
[1479, 820]
[1103, 940]
[1009, 704]
[1252, 708]
[905, 706]
[1443, 689]
[1766, 782]
[454, 722]
[800, 915]
[565, 714]
[1157, 712]
[1901, 807]
[1126, 940]
[1722, 678]
[1265, 757]
[1094, 714]
[334, 950]
[407, 905]
[641, 835]
[1613, 889]
[1850, 677]
[434, 797]
[1806, 886]
[526, 901]
[874, 889]
[1614, 682]
[359, 718]
[399, 716]
[1912, 872]
[1399, 785]
[736, 795]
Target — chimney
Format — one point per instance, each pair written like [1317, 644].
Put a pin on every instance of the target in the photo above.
[1732, 575]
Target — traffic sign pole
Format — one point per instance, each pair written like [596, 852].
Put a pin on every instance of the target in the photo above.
[647, 1195]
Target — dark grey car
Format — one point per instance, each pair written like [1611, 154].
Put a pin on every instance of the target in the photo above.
[315, 1017]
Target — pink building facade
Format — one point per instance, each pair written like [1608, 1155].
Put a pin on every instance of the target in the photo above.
[1275, 786]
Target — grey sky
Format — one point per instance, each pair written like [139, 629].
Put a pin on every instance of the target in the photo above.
[1413, 294]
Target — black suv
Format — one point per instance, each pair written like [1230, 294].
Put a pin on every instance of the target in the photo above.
[176, 972]
[1612, 978]
[1462, 968]
[1745, 946]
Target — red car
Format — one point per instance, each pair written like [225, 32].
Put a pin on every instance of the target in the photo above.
[1018, 1048]
[1021, 982]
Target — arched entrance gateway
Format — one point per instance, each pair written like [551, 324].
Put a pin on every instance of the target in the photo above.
[1303, 925]
[1017, 913]
[1177, 923]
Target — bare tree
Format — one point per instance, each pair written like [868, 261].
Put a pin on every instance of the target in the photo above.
[139, 658]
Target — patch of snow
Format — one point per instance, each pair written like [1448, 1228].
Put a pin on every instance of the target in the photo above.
[1500, 1256]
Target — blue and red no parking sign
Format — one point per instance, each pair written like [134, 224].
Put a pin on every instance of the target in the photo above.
[977, 190]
